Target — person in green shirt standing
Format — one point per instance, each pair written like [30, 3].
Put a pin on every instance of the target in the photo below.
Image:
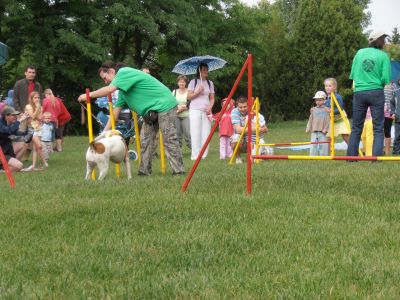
[149, 98]
[370, 72]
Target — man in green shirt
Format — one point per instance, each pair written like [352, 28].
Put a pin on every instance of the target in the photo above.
[149, 98]
[370, 72]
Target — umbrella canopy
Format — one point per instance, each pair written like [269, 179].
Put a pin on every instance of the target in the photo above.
[3, 53]
[189, 66]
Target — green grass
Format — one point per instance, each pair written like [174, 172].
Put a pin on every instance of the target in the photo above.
[310, 229]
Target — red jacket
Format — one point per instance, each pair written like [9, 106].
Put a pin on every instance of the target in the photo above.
[64, 116]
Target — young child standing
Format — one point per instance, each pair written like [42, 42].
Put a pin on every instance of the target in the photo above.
[47, 138]
[395, 112]
[318, 125]
[340, 126]
[225, 130]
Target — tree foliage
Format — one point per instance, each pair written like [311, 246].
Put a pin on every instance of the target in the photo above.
[296, 44]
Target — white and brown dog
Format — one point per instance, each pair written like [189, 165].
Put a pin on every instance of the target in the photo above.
[108, 146]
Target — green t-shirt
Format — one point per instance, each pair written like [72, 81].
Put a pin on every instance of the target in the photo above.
[370, 69]
[142, 92]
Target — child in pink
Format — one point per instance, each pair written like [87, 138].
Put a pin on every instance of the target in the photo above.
[225, 130]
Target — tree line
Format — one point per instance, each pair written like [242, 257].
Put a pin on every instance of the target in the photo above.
[295, 44]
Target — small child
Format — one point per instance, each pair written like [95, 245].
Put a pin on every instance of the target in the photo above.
[395, 112]
[318, 125]
[340, 126]
[47, 135]
[225, 130]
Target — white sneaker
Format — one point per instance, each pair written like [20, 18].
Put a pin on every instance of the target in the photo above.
[239, 160]
[28, 169]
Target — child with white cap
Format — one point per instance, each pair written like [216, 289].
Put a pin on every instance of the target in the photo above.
[318, 125]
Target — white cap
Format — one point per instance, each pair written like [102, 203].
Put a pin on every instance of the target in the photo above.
[320, 95]
[374, 35]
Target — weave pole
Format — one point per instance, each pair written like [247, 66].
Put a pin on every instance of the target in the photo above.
[162, 153]
[235, 85]
[249, 118]
[137, 134]
[90, 124]
[6, 168]
[112, 119]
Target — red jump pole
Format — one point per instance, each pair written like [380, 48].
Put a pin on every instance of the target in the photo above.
[249, 119]
[203, 149]
[6, 168]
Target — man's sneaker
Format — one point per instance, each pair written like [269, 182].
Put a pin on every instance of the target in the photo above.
[238, 160]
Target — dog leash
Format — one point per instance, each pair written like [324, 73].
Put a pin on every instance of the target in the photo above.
[92, 115]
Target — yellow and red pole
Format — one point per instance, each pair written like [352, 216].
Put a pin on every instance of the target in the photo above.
[137, 134]
[162, 153]
[90, 125]
[112, 120]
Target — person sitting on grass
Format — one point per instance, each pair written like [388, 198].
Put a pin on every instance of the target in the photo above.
[9, 124]
[239, 118]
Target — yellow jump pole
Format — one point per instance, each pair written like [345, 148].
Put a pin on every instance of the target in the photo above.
[112, 119]
[257, 105]
[346, 121]
[137, 135]
[90, 125]
[162, 153]
[238, 143]
[332, 125]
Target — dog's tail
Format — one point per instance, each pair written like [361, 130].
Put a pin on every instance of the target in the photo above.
[97, 147]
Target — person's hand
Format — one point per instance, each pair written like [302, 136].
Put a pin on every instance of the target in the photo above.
[393, 116]
[209, 108]
[328, 110]
[324, 132]
[200, 89]
[22, 117]
[82, 98]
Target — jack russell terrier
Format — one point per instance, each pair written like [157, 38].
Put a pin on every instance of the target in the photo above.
[108, 146]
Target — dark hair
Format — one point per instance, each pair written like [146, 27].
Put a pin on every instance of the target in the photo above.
[111, 65]
[241, 99]
[201, 65]
[378, 44]
[32, 67]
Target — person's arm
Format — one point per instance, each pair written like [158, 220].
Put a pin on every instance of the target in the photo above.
[386, 70]
[212, 101]
[117, 111]
[308, 128]
[16, 103]
[104, 91]
[197, 91]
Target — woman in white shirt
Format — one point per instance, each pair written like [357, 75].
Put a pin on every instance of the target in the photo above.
[201, 95]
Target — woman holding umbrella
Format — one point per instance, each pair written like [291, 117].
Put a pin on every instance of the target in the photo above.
[201, 96]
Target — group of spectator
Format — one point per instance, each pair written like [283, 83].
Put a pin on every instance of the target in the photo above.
[31, 122]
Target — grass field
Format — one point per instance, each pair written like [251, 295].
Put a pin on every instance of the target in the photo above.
[310, 229]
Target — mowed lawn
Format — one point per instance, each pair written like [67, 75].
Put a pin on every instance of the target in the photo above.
[310, 229]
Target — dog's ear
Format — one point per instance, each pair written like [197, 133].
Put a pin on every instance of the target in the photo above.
[98, 147]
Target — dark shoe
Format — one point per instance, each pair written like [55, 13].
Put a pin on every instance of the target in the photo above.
[178, 173]
[142, 174]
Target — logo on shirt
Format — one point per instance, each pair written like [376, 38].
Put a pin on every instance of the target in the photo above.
[368, 65]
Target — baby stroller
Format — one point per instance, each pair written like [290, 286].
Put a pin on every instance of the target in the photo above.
[124, 124]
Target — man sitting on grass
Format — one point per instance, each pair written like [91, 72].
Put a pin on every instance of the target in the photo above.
[239, 118]
[9, 124]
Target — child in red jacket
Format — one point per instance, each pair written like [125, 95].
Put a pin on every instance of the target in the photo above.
[225, 130]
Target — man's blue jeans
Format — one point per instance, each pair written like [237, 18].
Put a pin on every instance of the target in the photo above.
[374, 99]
